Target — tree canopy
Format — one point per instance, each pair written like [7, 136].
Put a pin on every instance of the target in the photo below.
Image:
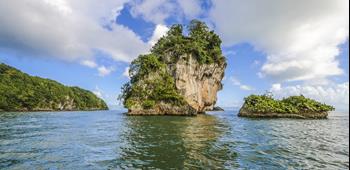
[201, 42]
[22, 92]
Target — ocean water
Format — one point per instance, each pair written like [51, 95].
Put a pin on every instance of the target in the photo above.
[218, 140]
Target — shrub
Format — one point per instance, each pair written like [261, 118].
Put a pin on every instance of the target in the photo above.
[293, 104]
[148, 104]
[204, 44]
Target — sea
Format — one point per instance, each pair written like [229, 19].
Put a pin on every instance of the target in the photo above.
[216, 140]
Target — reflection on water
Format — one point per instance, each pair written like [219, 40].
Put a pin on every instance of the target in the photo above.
[111, 140]
[179, 142]
[201, 140]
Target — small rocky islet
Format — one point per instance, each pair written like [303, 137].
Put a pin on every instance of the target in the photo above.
[20, 92]
[299, 107]
[181, 75]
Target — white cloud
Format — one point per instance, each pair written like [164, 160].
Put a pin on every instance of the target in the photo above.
[104, 71]
[246, 87]
[155, 11]
[158, 33]
[229, 52]
[276, 87]
[98, 92]
[126, 72]
[89, 63]
[238, 83]
[301, 38]
[334, 94]
[191, 8]
[68, 30]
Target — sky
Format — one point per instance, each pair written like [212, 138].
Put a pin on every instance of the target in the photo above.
[287, 47]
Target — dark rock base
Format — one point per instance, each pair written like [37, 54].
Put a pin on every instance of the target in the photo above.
[322, 115]
[164, 109]
[217, 109]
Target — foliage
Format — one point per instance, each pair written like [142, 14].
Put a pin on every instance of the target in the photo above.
[304, 104]
[293, 104]
[22, 92]
[151, 83]
[204, 44]
[144, 65]
[148, 104]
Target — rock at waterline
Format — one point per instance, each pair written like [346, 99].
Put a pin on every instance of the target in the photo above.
[217, 109]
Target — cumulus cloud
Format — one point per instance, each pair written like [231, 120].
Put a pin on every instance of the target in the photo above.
[155, 11]
[191, 9]
[158, 33]
[104, 71]
[238, 83]
[68, 30]
[335, 94]
[300, 38]
[98, 92]
[89, 63]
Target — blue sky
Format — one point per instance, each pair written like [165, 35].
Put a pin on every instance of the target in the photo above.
[293, 49]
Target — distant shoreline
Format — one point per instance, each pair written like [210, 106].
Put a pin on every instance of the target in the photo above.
[38, 111]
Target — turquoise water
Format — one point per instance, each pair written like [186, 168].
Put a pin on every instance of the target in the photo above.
[220, 140]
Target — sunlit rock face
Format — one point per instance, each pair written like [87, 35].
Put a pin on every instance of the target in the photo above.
[198, 83]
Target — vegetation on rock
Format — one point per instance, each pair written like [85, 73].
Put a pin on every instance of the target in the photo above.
[266, 104]
[151, 83]
[22, 92]
[201, 42]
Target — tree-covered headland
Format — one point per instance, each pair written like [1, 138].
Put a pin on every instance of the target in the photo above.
[22, 92]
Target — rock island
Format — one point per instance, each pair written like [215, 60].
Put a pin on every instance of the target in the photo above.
[265, 106]
[181, 75]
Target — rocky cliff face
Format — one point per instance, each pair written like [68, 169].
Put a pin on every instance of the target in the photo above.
[198, 83]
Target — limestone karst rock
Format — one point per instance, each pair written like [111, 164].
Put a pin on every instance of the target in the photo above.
[198, 83]
[181, 75]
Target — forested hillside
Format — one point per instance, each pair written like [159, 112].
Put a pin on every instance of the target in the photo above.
[22, 92]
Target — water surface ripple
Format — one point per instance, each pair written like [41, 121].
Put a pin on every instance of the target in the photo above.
[220, 140]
